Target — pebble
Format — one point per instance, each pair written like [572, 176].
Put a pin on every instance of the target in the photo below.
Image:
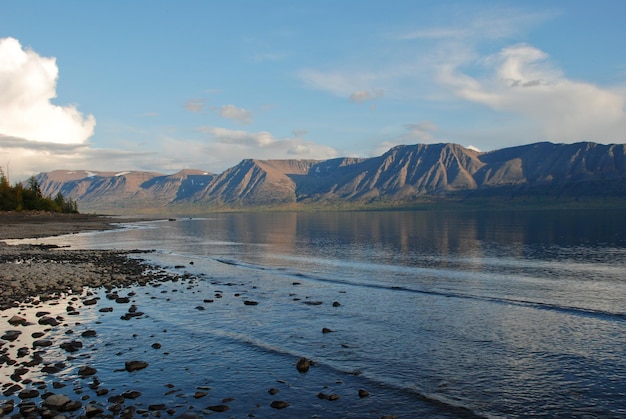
[11, 335]
[303, 365]
[218, 408]
[131, 394]
[48, 321]
[56, 401]
[279, 404]
[135, 365]
[17, 320]
[28, 394]
[40, 343]
[86, 370]
[89, 333]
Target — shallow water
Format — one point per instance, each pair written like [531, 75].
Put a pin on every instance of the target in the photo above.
[497, 314]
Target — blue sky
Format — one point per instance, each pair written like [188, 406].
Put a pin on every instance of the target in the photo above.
[162, 85]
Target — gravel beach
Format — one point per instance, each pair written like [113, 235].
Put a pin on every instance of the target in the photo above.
[31, 270]
[65, 351]
[36, 276]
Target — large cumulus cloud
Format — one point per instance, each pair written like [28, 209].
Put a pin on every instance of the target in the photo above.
[27, 86]
[35, 134]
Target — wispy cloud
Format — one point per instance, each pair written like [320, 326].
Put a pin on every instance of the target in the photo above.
[194, 105]
[230, 145]
[365, 95]
[522, 80]
[232, 112]
[423, 132]
[25, 158]
[484, 24]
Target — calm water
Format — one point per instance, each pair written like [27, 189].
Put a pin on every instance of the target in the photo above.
[497, 314]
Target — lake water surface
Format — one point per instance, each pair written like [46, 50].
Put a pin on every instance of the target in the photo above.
[450, 314]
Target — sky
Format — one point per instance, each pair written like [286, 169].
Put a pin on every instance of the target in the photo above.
[162, 85]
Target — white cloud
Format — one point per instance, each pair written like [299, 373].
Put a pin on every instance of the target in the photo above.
[228, 147]
[239, 115]
[23, 158]
[489, 23]
[27, 84]
[358, 86]
[194, 105]
[522, 81]
[415, 133]
[364, 95]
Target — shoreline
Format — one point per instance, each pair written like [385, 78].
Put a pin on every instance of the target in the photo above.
[60, 307]
[30, 271]
[35, 224]
[39, 277]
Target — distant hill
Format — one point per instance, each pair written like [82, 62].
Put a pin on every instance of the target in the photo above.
[403, 176]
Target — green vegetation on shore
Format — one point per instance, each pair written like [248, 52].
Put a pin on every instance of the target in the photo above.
[29, 198]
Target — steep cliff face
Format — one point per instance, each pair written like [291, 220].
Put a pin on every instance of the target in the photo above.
[402, 174]
[124, 190]
[255, 182]
[549, 163]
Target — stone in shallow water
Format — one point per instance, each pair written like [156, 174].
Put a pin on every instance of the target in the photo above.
[131, 394]
[86, 370]
[218, 408]
[279, 404]
[28, 394]
[48, 321]
[91, 301]
[73, 406]
[303, 365]
[93, 410]
[56, 401]
[72, 346]
[135, 365]
[41, 343]
[12, 390]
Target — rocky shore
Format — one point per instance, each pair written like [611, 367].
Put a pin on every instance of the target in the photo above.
[62, 311]
[34, 278]
[36, 270]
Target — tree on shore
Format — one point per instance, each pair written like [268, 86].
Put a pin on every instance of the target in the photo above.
[30, 198]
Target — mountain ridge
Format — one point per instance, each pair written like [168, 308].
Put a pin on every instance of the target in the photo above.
[403, 175]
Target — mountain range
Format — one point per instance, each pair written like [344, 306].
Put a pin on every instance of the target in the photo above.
[405, 175]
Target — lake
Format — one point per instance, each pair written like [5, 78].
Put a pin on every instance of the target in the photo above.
[434, 314]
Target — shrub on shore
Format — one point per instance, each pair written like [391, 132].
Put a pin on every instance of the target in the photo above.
[29, 198]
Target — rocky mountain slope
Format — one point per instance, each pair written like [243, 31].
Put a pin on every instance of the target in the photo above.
[404, 174]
